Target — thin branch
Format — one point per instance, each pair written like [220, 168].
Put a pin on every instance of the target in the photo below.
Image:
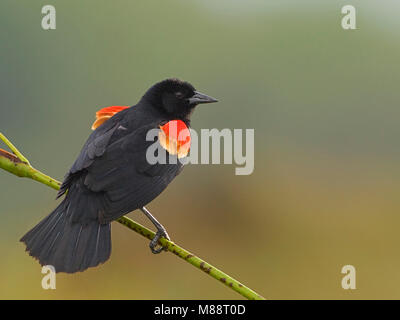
[13, 149]
[18, 165]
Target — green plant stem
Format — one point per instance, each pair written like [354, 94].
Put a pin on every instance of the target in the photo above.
[13, 149]
[18, 165]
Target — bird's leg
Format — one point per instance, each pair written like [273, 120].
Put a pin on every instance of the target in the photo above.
[161, 232]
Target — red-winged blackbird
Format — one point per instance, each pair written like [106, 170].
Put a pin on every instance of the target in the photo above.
[112, 177]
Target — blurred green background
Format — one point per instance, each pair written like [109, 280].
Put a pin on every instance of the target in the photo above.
[324, 103]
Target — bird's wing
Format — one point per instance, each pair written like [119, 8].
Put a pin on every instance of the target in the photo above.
[94, 147]
[126, 177]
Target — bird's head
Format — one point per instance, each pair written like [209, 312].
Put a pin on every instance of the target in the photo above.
[176, 98]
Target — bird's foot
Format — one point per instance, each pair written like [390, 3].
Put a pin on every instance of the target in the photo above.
[161, 232]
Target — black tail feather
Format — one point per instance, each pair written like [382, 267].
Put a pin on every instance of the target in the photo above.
[68, 246]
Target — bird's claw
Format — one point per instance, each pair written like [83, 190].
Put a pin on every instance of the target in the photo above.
[154, 243]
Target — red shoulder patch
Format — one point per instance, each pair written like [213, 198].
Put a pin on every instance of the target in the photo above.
[106, 113]
[174, 136]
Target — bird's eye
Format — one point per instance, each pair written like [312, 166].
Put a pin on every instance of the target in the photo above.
[179, 95]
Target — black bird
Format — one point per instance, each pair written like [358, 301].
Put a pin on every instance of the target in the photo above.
[110, 178]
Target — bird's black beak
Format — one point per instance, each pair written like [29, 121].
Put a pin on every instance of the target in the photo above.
[199, 97]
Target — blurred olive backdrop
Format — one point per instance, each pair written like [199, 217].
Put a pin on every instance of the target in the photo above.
[324, 103]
